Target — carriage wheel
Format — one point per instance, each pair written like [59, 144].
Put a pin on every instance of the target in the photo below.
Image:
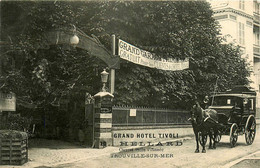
[250, 130]
[233, 135]
[202, 139]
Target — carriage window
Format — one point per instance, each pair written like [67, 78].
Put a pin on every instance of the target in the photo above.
[228, 101]
[223, 101]
[251, 104]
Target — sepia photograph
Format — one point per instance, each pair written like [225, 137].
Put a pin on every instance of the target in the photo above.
[129, 83]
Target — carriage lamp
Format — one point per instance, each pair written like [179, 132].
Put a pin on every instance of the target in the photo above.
[74, 40]
[104, 77]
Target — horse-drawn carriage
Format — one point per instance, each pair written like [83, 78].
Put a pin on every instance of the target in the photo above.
[234, 115]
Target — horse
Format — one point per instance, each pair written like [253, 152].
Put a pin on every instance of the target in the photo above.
[204, 123]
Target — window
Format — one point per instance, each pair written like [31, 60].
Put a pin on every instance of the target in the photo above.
[227, 101]
[249, 23]
[241, 31]
[233, 17]
[251, 104]
[257, 39]
[257, 35]
[221, 17]
[248, 104]
[242, 4]
[256, 7]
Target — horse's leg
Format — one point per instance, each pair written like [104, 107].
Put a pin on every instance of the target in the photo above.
[210, 140]
[214, 139]
[197, 141]
[203, 145]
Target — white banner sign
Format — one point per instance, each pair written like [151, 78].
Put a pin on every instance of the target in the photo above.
[138, 56]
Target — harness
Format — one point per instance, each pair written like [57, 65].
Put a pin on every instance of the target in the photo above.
[205, 116]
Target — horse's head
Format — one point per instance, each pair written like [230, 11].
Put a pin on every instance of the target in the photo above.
[196, 114]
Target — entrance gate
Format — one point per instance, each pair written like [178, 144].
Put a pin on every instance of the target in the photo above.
[98, 113]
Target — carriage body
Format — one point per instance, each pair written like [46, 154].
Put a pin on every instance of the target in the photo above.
[233, 108]
[236, 113]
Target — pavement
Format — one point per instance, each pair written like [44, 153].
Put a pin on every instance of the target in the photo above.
[252, 161]
[52, 153]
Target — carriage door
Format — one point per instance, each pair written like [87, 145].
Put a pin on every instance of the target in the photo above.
[249, 106]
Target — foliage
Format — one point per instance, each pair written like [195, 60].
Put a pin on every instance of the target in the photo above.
[182, 29]
[18, 123]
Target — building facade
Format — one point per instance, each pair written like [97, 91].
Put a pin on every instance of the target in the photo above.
[240, 23]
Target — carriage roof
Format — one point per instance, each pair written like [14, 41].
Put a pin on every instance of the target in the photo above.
[238, 91]
[234, 95]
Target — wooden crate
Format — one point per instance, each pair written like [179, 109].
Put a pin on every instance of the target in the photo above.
[13, 147]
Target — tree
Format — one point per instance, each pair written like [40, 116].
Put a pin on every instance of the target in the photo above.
[175, 30]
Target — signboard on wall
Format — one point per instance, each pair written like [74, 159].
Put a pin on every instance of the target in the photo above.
[138, 56]
[132, 112]
[7, 102]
